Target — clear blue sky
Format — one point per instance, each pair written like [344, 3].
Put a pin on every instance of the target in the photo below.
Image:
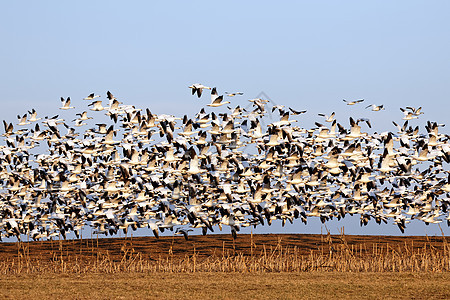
[304, 54]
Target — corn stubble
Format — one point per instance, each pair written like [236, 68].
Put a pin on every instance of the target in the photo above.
[334, 254]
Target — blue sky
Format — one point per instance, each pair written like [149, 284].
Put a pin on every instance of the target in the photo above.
[304, 54]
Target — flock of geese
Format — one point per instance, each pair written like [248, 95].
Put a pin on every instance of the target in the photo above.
[233, 169]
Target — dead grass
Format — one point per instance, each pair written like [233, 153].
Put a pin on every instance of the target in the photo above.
[251, 255]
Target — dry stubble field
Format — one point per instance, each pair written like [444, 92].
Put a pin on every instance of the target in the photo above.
[283, 266]
[205, 285]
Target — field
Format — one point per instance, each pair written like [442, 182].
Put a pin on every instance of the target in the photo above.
[315, 285]
[285, 266]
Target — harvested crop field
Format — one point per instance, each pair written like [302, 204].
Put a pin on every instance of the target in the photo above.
[314, 285]
[286, 266]
[249, 253]
[220, 244]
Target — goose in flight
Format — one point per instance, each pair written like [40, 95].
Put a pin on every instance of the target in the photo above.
[259, 103]
[375, 107]
[198, 88]
[110, 96]
[353, 102]
[23, 120]
[415, 111]
[66, 104]
[284, 120]
[279, 107]
[33, 116]
[409, 115]
[297, 112]
[328, 118]
[216, 100]
[97, 105]
[214, 94]
[83, 116]
[234, 94]
[364, 120]
[355, 130]
[9, 128]
[91, 97]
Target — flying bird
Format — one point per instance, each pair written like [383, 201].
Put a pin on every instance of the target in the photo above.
[66, 103]
[198, 88]
[353, 102]
[234, 94]
[375, 107]
[91, 97]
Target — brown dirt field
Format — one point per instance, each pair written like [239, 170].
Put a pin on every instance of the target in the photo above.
[218, 267]
[217, 245]
[314, 285]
